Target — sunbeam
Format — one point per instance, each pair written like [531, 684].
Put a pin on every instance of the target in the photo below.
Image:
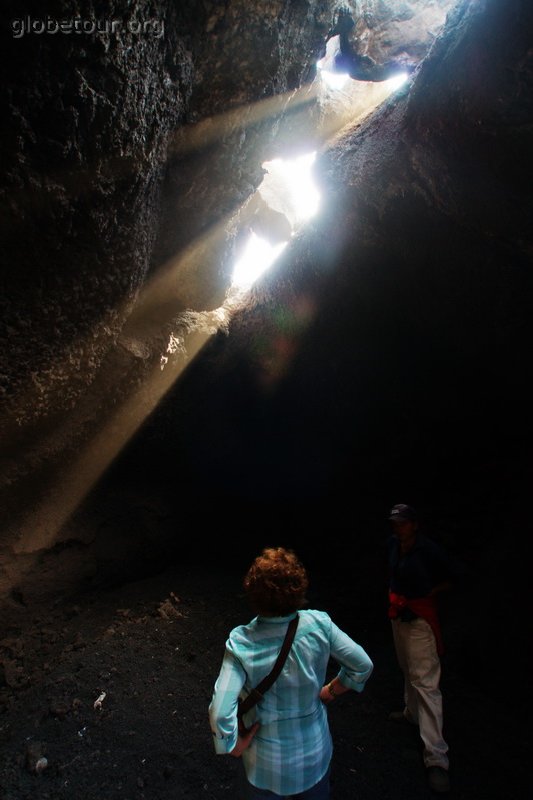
[162, 299]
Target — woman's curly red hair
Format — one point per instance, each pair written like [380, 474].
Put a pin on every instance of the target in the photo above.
[276, 582]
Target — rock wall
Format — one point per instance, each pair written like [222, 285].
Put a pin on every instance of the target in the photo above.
[386, 30]
[125, 156]
[80, 188]
[92, 116]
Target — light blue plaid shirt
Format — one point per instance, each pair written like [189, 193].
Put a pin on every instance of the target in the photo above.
[292, 749]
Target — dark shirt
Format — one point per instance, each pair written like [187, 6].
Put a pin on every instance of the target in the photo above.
[417, 572]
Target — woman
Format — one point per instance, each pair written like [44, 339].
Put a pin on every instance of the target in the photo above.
[287, 750]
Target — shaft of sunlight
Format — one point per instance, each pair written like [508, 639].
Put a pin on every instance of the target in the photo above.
[257, 257]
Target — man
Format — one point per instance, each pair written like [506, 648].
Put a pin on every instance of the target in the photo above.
[419, 571]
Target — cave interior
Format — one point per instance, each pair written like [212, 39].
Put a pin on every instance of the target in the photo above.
[156, 417]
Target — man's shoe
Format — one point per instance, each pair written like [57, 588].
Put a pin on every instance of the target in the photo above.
[400, 716]
[438, 780]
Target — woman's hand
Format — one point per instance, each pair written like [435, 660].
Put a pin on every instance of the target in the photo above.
[325, 695]
[332, 690]
[244, 741]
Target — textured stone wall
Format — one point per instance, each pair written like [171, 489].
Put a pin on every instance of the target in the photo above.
[86, 120]
[89, 122]
[385, 30]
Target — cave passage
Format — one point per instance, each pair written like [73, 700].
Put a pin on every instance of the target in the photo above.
[284, 201]
[168, 414]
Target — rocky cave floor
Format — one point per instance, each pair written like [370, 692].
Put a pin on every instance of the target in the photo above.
[154, 648]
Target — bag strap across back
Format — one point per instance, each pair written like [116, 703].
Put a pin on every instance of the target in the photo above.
[257, 694]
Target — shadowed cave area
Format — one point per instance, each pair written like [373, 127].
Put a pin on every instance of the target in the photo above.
[161, 425]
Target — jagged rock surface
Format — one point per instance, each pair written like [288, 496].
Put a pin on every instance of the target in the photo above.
[90, 123]
[409, 236]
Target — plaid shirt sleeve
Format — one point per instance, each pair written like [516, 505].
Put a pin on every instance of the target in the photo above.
[223, 708]
[356, 666]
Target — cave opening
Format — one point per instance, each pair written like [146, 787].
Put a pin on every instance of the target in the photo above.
[331, 72]
[288, 187]
[291, 198]
[257, 256]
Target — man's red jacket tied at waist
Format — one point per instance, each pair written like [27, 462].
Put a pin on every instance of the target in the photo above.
[424, 607]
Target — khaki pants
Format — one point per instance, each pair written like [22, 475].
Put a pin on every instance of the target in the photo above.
[417, 656]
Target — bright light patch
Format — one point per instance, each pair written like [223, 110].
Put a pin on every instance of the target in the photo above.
[326, 66]
[257, 257]
[397, 81]
[335, 80]
[289, 188]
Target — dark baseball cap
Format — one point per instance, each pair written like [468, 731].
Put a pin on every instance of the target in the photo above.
[403, 513]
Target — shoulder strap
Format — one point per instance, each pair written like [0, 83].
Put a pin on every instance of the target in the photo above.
[262, 687]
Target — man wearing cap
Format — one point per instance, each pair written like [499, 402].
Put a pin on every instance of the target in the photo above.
[419, 570]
